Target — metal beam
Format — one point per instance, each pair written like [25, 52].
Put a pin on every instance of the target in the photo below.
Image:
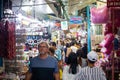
[52, 7]
[79, 6]
[85, 4]
[63, 8]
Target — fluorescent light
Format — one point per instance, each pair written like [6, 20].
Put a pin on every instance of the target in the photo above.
[26, 19]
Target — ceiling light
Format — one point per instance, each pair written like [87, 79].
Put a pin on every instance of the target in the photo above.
[52, 0]
[81, 2]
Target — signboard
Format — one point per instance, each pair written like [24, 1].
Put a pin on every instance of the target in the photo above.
[64, 25]
[113, 3]
[76, 20]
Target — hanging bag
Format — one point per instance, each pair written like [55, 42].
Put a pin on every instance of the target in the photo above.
[99, 15]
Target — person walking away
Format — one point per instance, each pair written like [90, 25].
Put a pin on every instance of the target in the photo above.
[84, 55]
[67, 51]
[52, 52]
[91, 72]
[58, 55]
[73, 47]
[43, 66]
[72, 68]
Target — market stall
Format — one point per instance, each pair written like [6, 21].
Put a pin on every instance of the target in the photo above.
[109, 45]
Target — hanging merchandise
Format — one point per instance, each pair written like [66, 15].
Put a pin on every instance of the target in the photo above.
[7, 40]
[107, 50]
[110, 29]
[107, 44]
[99, 15]
[107, 40]
[115, 13]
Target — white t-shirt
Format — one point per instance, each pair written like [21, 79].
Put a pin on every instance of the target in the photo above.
[74, 49]
[67, 75]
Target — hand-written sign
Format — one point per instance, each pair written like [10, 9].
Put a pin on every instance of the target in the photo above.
[113, 3]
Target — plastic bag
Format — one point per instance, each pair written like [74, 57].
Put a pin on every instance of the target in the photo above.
[99, 15]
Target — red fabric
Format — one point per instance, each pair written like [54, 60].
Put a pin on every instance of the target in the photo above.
[7, 40]
[11, 40]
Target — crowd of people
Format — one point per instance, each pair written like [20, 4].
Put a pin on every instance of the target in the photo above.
[64, 60]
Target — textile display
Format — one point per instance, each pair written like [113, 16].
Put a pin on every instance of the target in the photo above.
[7, 40]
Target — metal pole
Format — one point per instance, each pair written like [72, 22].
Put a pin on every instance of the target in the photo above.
[1, 15]
[88, 29]
[113, 53]
[34, 9]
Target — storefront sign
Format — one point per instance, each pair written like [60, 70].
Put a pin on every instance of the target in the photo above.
[75, 20]
[113, 3]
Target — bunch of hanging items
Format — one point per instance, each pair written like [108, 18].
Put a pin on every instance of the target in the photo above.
[7, 40]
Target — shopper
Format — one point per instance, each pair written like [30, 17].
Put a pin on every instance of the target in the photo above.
[57, 51]
[67, 51]
[51, 51]
[58, 57]
[72, 68]
[44, 66]
[73, 46]
[82, 53]
[91, 72]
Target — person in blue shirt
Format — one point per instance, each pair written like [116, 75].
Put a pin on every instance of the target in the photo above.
[43, 66]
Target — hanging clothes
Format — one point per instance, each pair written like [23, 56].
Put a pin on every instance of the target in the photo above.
[7, 40]
[3, 39]
[11, 40]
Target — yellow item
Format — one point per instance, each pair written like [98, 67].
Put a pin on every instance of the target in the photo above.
[60, 71]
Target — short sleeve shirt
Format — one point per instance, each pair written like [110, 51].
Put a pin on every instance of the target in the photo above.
[88, 73]
[43, 69]
[58, 54]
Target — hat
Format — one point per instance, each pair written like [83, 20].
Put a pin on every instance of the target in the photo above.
[92, 56]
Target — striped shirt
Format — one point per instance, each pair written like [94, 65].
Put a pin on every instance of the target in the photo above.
[94, 73]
